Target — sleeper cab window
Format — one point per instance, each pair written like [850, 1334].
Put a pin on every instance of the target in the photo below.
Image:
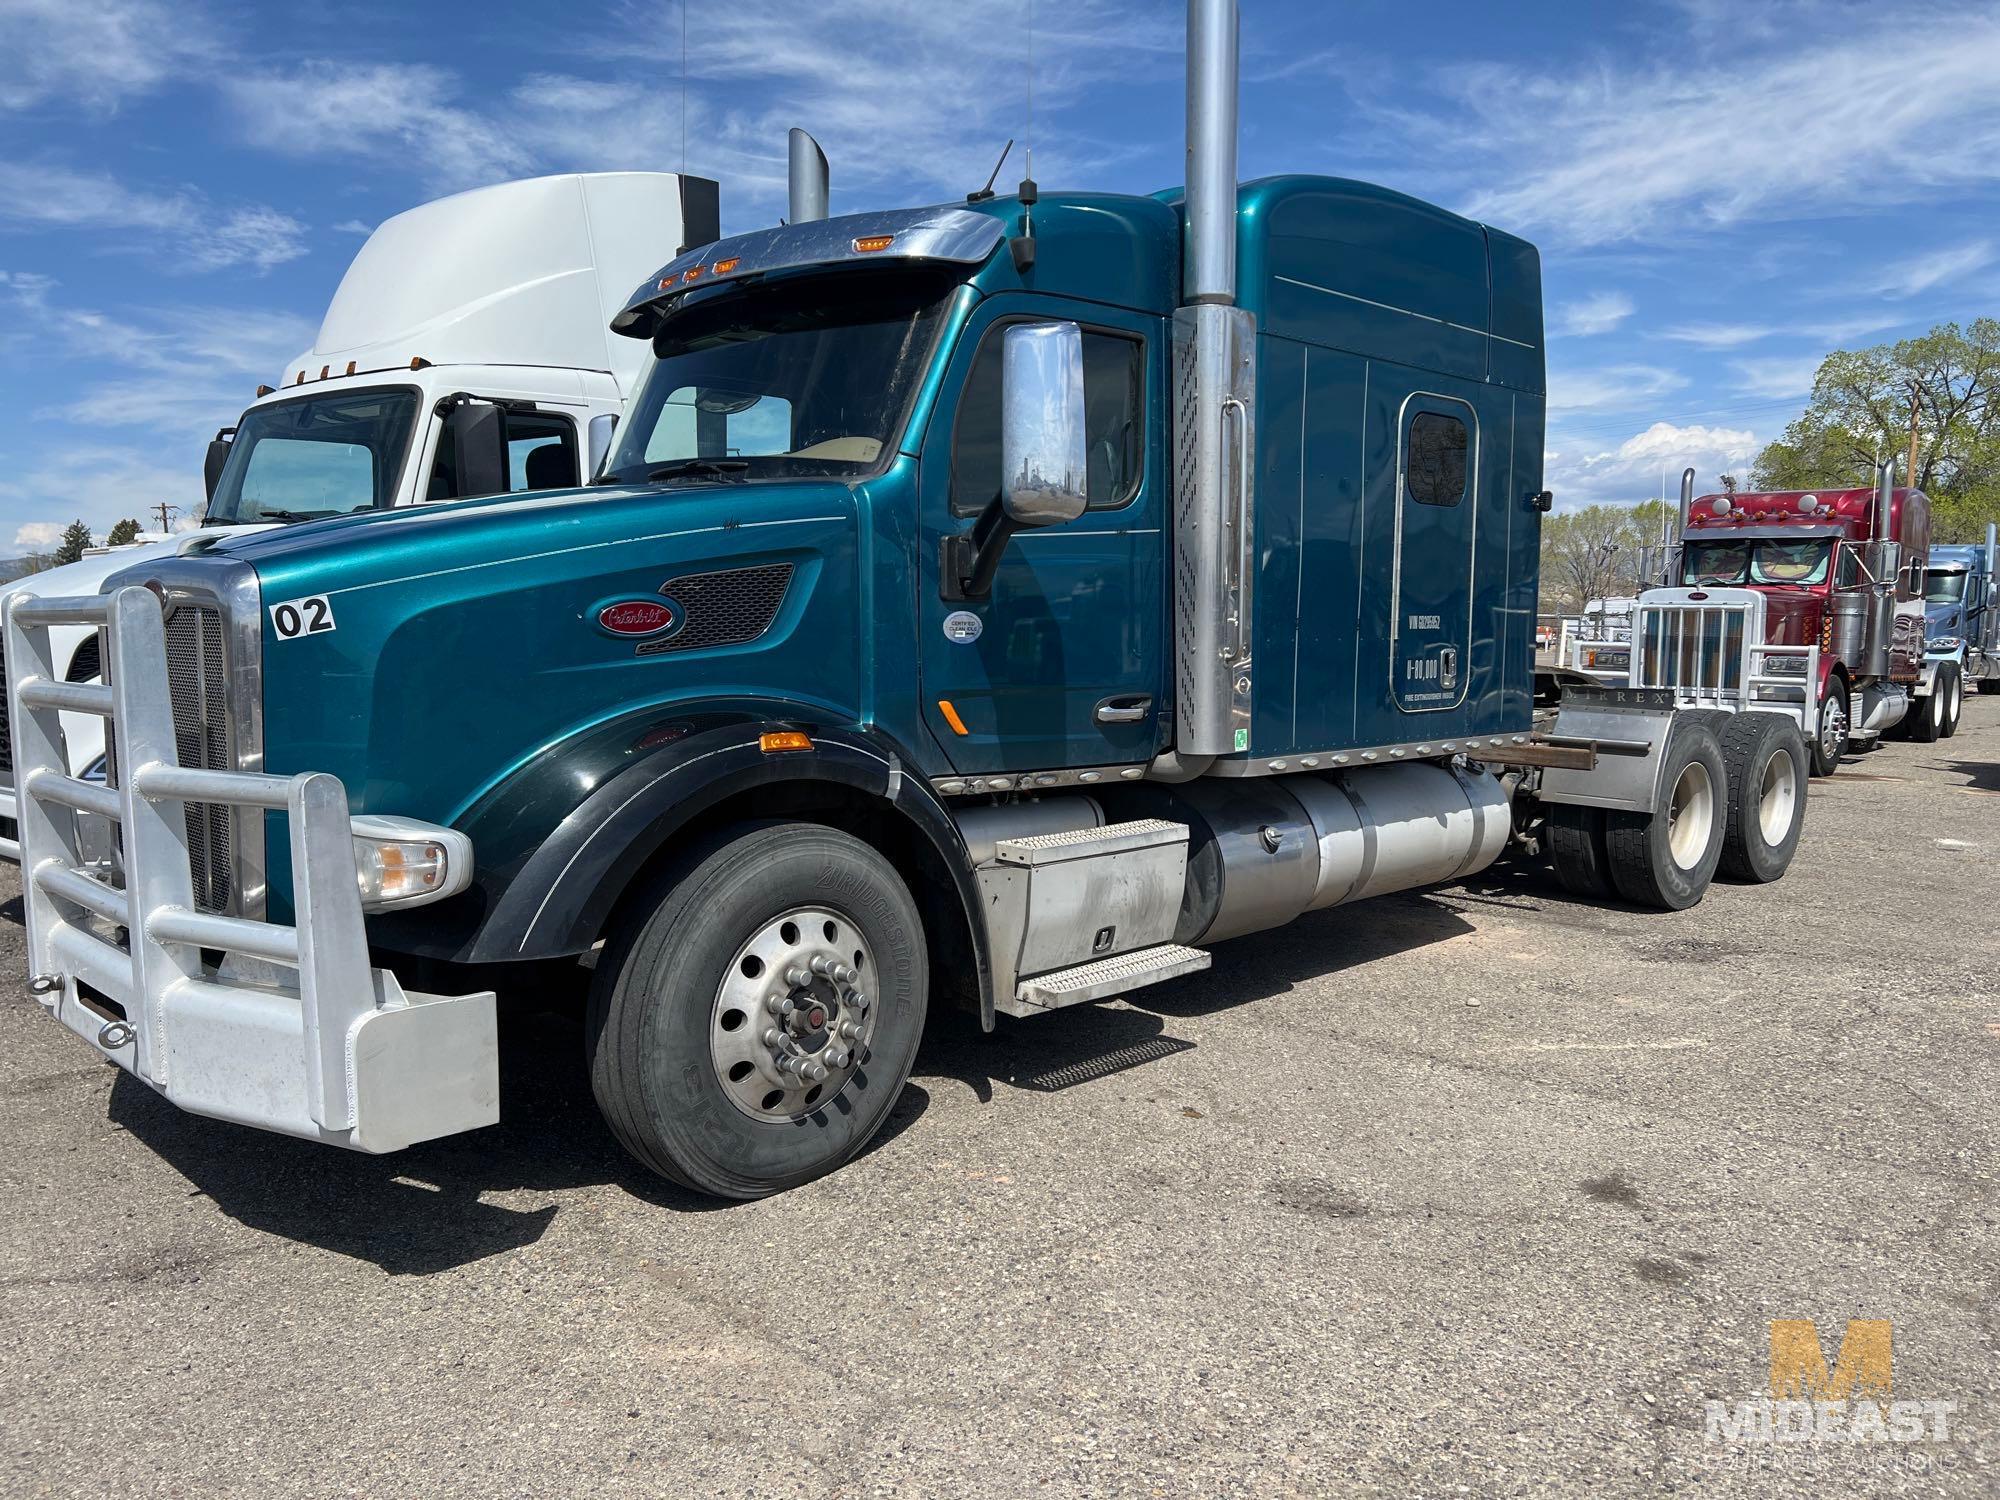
[1434, 469]
[1114, 395]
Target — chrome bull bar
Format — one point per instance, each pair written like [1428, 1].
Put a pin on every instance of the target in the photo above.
[294, 1030]
[1709, 652]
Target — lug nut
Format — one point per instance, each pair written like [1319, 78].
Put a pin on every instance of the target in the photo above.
[849, 1031]
[821, 964]
[773, 1037]
[813, 1071]
[844, 975]
[779, 1005]
[859, 1001]
[837, 1060]
[798, 978]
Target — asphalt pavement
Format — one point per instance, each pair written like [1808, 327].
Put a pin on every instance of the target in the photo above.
[1471, 1191]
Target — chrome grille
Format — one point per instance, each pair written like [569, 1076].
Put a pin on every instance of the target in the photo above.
[198, 682]
[6, 729]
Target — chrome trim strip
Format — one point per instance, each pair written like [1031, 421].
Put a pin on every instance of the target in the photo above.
[1405, 311]
[1368, 755]
[1034, 781]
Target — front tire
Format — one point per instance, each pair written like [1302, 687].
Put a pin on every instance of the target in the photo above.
[1830, 737]
[1766, 759]
[1667, 857]
[1924, 720]
[755, 1017]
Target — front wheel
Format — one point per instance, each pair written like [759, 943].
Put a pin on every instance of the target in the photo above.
[1924, 720]
[755, 1018]
[1830, 738]
[1954, 701]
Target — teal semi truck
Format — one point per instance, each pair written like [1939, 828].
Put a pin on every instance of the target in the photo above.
[1962, 611]
[994, 604]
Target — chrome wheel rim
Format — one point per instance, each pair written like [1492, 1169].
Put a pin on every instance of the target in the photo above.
[1690, 815]
[1832, 727]
[794, 1018]
[1776, 799]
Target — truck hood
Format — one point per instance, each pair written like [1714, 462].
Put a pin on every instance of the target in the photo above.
[1943, 619]
[375, 547]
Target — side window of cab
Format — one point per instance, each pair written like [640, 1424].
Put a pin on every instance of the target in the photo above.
[1114, 404]
[541, 455]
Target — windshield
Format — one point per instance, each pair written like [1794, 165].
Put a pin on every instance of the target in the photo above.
[1767, 561]
[1944, 586]
[802, 377]
[322, 455]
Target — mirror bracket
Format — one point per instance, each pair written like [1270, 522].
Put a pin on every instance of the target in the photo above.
[968, 560]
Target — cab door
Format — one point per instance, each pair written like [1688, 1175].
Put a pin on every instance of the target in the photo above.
[1437, 538]
[1062, 666]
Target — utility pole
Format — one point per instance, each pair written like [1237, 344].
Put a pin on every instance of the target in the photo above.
[166, 512]
[1916, 398]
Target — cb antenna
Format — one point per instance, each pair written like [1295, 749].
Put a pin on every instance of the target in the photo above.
[991, 177]
[1023, 244]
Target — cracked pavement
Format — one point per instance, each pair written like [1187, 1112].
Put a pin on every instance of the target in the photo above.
[1470, 1191]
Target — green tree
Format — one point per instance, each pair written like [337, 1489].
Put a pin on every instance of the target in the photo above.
[1600, 551]
[1860, 413]
[75, 537]
[122, 533]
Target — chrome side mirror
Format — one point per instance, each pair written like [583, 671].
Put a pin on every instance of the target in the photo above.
[1043, 458]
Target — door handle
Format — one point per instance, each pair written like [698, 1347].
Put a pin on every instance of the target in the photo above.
[1128, 709]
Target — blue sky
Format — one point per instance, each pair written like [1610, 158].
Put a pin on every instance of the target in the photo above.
[1722, 192]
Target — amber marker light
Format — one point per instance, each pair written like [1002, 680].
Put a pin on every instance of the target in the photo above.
[871, 242]
[783, 739]
[724, 267]
[951, 716]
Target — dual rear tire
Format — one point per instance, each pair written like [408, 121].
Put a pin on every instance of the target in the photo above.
[1732, 799]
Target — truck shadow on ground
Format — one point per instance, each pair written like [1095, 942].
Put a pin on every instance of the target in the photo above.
[420, 1211]
[1980, 775]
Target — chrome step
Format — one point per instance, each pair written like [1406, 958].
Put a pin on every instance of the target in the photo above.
[1089, 843]
[1104, 978]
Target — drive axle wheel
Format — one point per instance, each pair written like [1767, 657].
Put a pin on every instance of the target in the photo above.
[1954, 700]
[1924, 720]
[754, 1019]
[1766, 759]
[1576, 849]
[1666, 858]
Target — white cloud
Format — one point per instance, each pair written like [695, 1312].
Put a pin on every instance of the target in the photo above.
[1638, 467]
[1936, 268]
[1598, 313]
[99, 484]
[1610, 387]
[1717, 335]
[94, 53]
[1761, 129]
[881, 84]
[353, 226]
[194, 234]
[1773, 378]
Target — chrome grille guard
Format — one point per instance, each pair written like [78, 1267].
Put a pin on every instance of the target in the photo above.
[295, 1031]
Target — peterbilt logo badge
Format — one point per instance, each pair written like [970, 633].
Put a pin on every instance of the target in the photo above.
[636, 618]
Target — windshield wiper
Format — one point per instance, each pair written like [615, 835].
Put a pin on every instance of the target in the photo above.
[683, 468]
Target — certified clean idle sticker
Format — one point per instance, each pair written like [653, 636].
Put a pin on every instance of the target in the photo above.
[312, 615]
[962, 627]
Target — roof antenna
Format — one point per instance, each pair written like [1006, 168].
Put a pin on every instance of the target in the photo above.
[987, 192]
[684, 88]
[1023, 244]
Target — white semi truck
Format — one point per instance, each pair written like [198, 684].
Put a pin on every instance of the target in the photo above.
[467, 351]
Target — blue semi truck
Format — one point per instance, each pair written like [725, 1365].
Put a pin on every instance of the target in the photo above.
[1961, 612]
[993, 604]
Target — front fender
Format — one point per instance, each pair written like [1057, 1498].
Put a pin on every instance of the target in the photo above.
[559, 843]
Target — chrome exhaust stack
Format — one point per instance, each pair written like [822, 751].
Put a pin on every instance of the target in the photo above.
[807, 179]
[1215, 396]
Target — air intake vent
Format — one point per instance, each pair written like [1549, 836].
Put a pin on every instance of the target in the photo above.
[725, 608]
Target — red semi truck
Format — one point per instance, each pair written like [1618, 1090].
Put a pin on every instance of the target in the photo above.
[1842, 570]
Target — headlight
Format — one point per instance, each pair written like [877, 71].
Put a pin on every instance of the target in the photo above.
[1607, 660]
[401, 862]
[1785, 666]
[1946, 643]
